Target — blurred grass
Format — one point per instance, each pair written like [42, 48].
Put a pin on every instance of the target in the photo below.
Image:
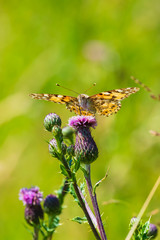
[77, 43]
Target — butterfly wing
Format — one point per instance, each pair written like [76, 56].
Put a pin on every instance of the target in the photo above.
[56, 98]
[108, 108]
[77, 109]
[117, 94]
[107, 103]
[71, 102]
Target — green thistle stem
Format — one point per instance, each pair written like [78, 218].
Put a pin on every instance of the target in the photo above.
[50, 226]
[89, 210]
[63, 160]
[36, 232]
[95, 204]
[63, 191]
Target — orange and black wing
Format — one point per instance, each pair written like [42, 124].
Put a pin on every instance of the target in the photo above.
[56, 98]
[107, 103]
[117, 94]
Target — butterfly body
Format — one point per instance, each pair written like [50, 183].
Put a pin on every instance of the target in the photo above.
[86, 103]
[104, 103]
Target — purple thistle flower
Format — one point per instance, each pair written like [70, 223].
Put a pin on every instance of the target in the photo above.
[31, 196]
[85, 147]
[82, 121]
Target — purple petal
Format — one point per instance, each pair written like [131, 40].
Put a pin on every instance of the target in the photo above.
[82, 121]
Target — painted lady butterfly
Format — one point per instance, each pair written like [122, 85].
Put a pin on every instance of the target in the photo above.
[104, 103]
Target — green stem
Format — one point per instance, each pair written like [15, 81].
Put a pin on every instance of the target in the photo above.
[50, 220]
[63, 160]
[63, 191]
[35, 235]
[95, 204]
[88, 209]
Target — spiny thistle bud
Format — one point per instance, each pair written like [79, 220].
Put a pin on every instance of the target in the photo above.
[85, 148]
[68, 133]
[53, 148]
[153, 231]
[57, 133]
[133, 220]
[33, 213]
[51, 120]
[52, 205]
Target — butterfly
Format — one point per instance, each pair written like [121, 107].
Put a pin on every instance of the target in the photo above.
[104, 103]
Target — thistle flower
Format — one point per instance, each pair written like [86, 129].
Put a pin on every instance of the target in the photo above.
[31, 196]
[85, 147]
[51, 120]
[52, 205]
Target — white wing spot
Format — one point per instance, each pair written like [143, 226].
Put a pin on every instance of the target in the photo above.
[60, 96]
[119, 90]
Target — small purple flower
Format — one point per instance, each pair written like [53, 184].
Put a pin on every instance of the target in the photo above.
[85, 147]
[31, 196]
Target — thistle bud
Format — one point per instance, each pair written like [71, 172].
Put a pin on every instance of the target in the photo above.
[53, 148]
[68, 133]
[51, 120]
[57, 133]
[33, 214]
[52, 205]
[153, 231]
[133, 220]
[85, 148]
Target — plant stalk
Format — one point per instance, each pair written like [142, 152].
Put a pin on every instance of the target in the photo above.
[63, 160]
[36, 231]
[95, 203]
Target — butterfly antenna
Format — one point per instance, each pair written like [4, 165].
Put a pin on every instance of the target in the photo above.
[66, 88]
[94, 84]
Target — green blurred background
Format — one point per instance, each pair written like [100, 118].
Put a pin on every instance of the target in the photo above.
[77, 43]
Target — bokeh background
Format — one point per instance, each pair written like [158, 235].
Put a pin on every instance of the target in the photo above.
[76, 43]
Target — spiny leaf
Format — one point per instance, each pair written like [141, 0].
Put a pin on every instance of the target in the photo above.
[63, 170]
[84, 171]
[80, 220]
[82, 188]
[77, 165]
[73, 193]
